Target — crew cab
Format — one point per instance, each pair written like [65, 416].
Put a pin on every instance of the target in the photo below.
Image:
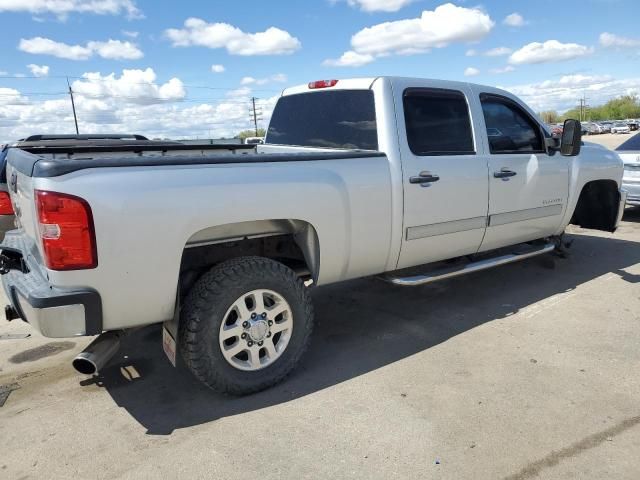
[357, 177]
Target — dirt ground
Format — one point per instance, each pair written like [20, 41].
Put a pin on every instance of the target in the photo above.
[609, 140]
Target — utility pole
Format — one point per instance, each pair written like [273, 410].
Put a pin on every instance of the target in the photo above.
[73, 106]
[583, 108]
[255, 114]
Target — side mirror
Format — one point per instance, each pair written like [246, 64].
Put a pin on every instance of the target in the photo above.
[571, 138]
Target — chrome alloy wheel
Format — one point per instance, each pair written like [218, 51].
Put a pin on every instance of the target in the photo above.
[256, 330]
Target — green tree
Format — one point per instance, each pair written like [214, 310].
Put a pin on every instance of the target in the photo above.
[621, 108]
[549, 116]
[251, 133]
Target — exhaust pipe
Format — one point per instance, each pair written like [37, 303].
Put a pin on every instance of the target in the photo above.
[93, 358]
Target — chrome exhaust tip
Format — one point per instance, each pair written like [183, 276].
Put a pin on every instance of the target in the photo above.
[93, 358]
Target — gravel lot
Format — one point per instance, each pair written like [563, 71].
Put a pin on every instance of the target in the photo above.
[610, 140]
[526, 371]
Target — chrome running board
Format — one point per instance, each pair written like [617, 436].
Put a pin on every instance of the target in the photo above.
[471, 267]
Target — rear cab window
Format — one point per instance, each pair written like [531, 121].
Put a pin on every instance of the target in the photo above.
[344, 119]
[437, 122]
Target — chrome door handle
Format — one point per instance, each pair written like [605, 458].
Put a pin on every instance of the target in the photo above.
[424, 177]
[504, 173]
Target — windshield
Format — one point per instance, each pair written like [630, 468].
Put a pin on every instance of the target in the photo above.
[331, 119]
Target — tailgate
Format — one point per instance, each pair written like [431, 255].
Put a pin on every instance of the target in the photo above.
[20, 186]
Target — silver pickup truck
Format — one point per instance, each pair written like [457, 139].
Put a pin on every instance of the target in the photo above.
[356, 178]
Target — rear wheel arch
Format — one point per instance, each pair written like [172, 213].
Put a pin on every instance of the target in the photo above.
[291, 242]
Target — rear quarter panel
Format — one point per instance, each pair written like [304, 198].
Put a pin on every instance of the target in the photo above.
[144, 216]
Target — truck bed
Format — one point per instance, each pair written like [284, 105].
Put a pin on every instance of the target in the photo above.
[48, 162]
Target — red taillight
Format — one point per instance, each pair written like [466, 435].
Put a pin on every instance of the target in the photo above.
[323, 84]
[6, 208]
[66, 230]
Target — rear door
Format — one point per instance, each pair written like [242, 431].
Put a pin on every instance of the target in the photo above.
[528, 188]
[444, 178]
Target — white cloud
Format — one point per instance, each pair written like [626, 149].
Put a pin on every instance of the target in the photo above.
[111, 49]
[549, 51]
[437, 28]
[278, 77]
[197, 32]
[11, 96]
[498, 52]
[471, 52]
[62, 8]
[130, 33]
[471, 72]
[46, 46]
[507, 69]
[611, 40]
[242, 92]
[20, 116]
[379, 5]
[349, 59]
[563, 93]
[38, 70]
[133, 86]
[514, 20]
[217, 68]
[116, 50]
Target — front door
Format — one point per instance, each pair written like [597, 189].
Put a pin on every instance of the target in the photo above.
[444, 178]
[528, 188]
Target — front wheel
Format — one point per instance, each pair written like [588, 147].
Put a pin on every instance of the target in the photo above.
[245, 325]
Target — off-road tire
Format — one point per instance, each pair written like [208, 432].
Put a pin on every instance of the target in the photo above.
[204, 309]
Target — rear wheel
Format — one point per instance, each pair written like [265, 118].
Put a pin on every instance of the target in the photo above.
[245, 325]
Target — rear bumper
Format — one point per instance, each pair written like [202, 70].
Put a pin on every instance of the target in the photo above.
[54, 312]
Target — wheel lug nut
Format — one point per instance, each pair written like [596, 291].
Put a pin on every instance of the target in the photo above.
[270, 322]
[264, 315]
[245, 324]
[250, 343]
[260, 344]
[268, 334]
[253, 315]
[243, 336]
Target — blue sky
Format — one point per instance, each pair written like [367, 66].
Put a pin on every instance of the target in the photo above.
[548, 52]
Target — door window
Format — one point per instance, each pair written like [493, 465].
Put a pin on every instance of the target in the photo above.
[509, 128]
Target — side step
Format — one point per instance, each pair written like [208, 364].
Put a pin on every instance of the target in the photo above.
[471, 267]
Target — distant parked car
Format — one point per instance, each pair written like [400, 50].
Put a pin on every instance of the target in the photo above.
[588, 129]
[620, 127]
[585, 129]
[606, 127]
[254, 140]
[596, 129]
[629, 152]
[633, 124]
[556, 130]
